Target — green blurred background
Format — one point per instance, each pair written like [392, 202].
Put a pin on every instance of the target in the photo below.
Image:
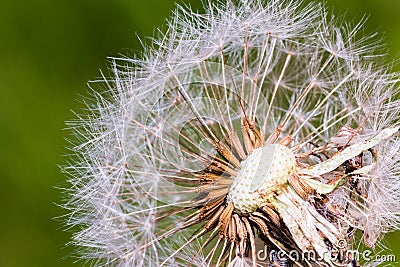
[49, 50]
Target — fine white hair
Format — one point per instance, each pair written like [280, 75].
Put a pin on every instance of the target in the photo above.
[295, 63]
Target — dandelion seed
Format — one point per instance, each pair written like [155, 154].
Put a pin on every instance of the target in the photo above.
[252, 125]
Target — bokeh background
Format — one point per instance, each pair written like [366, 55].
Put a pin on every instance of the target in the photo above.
[49, 49]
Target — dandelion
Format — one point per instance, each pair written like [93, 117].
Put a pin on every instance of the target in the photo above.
[252, 125]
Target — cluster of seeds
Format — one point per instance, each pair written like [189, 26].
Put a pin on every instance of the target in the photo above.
[252, 125]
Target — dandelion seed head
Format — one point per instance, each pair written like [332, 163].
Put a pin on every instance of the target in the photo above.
[217, 142]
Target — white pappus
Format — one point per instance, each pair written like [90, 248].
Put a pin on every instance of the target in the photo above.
[255, 123]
